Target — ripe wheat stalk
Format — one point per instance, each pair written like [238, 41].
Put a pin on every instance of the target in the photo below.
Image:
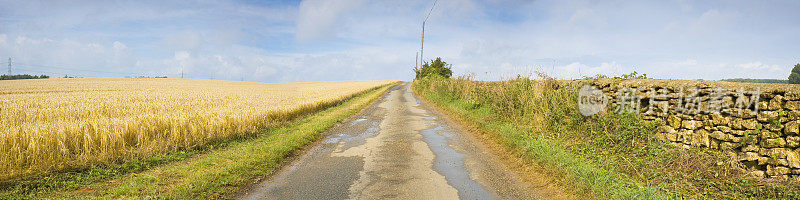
[62, 124]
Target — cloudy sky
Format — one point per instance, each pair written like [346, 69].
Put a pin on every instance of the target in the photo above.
[320, 40]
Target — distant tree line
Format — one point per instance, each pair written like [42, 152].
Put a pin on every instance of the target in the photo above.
[750, 80]
[794, 78]
[22, 76]
[146, 77]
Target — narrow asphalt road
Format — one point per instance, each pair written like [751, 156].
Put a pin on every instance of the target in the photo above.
[398, 148]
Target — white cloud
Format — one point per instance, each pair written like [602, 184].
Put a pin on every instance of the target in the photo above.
[264, 72]
[586, 17]
[687, 62]
[57, 57]
[3, 40]
[576, 69]
[359, 39]
[119, 46]
[182, 55]
[709, 70]
[685, 5]
[184, 60]
[713, 21]
[758, 66]
[318, 19]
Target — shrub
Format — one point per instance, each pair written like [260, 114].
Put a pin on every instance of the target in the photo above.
[436, 66]
[632, 75]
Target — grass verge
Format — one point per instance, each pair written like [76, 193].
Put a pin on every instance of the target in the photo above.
[610, 156]
[213, 172]
[545, 153]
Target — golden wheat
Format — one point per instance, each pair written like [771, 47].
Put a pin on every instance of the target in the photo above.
[71, 123]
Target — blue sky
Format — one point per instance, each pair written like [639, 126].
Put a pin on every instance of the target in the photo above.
[316, 40]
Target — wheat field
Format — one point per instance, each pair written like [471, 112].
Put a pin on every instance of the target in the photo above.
[60, 124]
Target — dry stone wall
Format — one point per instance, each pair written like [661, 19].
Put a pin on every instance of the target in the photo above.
[756, 122]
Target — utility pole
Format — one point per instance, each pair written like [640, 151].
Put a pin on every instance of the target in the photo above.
[422, 42]
[9, 66]
[416, 61]
[181, 72]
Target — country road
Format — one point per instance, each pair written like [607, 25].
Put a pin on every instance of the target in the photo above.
[397, 148]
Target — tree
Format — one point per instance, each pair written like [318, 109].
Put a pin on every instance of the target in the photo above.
[794, 77]
[436, 66]
[22, 76]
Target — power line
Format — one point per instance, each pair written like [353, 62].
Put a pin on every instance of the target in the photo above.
[422, 40]
[429, 12]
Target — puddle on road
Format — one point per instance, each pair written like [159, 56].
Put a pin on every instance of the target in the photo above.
[358, 136]
[359, 120]
[450, 163]
[332, 140]
[360, 139]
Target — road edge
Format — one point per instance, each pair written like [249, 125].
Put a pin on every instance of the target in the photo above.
[552, 188]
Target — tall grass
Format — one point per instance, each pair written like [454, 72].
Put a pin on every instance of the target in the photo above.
[611, 155]
[66, 124]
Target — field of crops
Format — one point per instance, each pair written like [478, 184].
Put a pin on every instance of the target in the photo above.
[58, 124]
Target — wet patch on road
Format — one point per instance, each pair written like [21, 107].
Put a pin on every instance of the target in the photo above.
[359, 120]
[450, 163]
[317, 174]
[357, 139]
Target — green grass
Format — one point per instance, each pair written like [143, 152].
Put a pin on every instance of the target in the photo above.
[214, 172]
[611, 156]
[549, 153]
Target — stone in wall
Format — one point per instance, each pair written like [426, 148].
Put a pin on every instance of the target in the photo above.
[793, 105]
[700, 139]
[792, 141]
[760, 127]
[691, 124]
[792, 128]
[775, 103]
[768, 116]
[794, 159]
